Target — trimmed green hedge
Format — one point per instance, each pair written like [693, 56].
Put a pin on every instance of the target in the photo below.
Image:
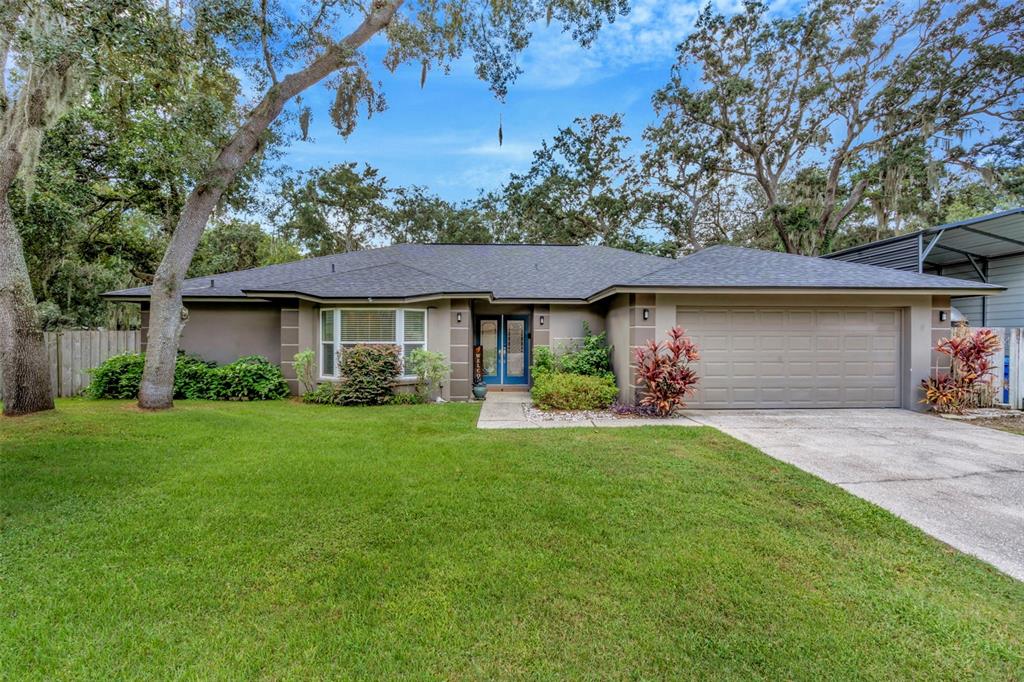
[251, 377]
[560, 391]
[369, 374]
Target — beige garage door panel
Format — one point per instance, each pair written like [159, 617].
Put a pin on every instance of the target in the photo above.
[795, 357]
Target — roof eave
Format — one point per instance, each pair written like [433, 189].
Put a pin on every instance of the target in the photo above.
[987, 290]
[144, 298]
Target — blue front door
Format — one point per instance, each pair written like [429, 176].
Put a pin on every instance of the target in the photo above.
[516, 358]
[505, 340]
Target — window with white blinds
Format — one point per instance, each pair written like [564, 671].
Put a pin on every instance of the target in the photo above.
[342, 328]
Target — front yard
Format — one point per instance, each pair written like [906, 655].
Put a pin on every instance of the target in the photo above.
[280, 540]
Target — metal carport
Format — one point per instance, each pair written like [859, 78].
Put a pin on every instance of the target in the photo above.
[987, 249]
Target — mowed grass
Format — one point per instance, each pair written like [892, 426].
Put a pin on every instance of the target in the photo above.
[279, 540]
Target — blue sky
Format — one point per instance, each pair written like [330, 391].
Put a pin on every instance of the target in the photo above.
[445, 136]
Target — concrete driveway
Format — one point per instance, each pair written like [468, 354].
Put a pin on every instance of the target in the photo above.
[960, 483]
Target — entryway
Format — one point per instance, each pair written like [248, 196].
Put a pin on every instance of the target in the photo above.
[505, 340]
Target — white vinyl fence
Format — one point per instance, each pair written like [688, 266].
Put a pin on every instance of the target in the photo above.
[74, 352]
[1014, 343]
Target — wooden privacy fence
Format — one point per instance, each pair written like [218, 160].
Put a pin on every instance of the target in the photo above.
[74, 352]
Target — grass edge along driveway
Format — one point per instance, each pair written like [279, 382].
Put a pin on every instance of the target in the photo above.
[280, 540]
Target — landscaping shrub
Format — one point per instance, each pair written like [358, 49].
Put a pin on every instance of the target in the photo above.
[117, 377]
[324, 394]
[544, 362]
[561, 391]
[305, 369]
[368, 374]
[593, 359]
[251, 377]
[970, 370]
[248, 378]
[664, 374]
[194, 378]
[431, 371]
[407, 399]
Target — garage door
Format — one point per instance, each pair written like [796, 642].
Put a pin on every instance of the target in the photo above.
[795, 357]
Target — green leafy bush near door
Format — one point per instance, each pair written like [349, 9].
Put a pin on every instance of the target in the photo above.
[561, 391]
[593, 359]
[252, 377]
[580, 379]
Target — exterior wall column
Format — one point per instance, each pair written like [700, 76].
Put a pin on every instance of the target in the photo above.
[290, 343]
[143, 327]
[941, 329]
[640, 330]
[461, 349]
[540, 329]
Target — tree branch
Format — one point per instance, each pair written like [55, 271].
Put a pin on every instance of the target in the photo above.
[263, 40]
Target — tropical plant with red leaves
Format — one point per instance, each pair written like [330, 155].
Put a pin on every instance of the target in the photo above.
[664, 373]
[970, 369]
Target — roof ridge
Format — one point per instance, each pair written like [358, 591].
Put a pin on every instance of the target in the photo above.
[307, 259]
[674, 263]
[372, 266]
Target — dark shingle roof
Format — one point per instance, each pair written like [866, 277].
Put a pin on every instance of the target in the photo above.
[517, 271]
[733, 266]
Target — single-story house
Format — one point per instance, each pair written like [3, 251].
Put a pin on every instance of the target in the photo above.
[988, 249]
[774, 330]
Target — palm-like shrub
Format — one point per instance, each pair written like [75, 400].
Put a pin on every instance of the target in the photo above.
[664, 374]
[431, 370]
[970, 369]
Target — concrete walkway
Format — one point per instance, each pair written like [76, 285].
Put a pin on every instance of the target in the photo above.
[960, 483]
[506, 410]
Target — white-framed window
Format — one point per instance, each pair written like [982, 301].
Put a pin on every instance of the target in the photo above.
[346, 327]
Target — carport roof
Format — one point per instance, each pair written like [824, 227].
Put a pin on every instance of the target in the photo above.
[988, 237]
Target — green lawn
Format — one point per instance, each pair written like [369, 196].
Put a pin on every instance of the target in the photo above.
[245, 540]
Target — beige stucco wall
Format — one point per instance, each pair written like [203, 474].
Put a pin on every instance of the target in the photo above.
[617, 326]
[917, 309]
[224, 332]
[567, 325]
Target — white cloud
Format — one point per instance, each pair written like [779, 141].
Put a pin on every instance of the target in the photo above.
[508, 151]
[647, 35]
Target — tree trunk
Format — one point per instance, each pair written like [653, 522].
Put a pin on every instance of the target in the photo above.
[166, 315]
[23, 360]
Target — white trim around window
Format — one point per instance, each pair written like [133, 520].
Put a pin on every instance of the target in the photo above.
[402, 327]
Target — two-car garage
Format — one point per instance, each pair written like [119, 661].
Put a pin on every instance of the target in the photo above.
[768, 357]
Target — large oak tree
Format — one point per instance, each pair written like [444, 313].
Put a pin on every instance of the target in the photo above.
[327, 40]
[840, 86]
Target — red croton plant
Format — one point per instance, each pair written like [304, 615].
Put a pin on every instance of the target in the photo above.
[970, 368]
[664, 373]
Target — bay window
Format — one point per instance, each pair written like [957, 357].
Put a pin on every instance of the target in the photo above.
[342, 328]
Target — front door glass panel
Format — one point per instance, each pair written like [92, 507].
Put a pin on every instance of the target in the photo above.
[489, 342]
[515, 344]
